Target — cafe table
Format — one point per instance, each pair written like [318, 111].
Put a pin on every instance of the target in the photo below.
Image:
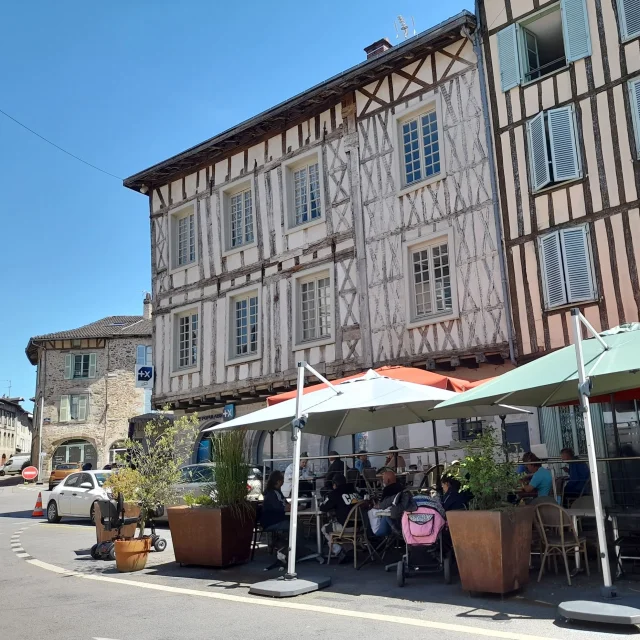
[313, 510]
[588, 512]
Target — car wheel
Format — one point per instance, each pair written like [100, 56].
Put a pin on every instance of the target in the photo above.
[1, 472]
[94, 552]
[400, 574]
[52, 512]
[92, 514]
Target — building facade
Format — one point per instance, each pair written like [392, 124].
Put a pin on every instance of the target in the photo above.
[15, 428]
[86, 390]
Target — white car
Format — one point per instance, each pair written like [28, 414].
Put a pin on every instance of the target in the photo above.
[14, 464]
[76, 496]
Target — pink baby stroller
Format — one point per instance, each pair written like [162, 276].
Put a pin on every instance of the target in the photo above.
[428, 549]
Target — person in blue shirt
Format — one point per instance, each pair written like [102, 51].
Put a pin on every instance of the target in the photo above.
[578, 475]
[362, 462]
[541, 483]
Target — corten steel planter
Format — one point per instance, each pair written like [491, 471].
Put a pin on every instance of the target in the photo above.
[210, 537]
[131, 510]
[131, 555]
[492, 548]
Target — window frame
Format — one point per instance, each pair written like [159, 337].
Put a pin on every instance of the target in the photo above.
[176, 370]
[430, 102]
[233, 297]
[148, 355]
[300, 278]
[70, 397]
[226, 193]
[413, 320]
[70, 365]
[622, 25]
[288, 168]
[175, 216]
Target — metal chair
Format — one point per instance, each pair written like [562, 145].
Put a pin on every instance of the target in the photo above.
[353, 532]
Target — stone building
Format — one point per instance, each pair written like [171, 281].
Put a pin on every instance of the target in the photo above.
[86, 383]
[15, 428]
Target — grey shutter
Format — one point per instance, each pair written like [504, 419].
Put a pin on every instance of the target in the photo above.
[629, 12]
[64, 409]
[575, 29]
[563, 141]
[68, 366]
[140, 354]
[149, 356]
[509, 59]
[538, 153]
[552, 270]
[577, 264]
[634, 99]
[83, 401]
[93, 361]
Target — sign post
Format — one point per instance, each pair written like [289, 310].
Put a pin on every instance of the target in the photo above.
[30, 473]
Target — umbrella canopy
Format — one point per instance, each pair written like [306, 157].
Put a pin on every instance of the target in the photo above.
[366, 403]
[553, 379]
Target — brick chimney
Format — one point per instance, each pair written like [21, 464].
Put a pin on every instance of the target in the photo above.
[378, 47]
[147, 307]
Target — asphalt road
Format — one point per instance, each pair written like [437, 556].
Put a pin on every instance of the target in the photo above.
[41, 598]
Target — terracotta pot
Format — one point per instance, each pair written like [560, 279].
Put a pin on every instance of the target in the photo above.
[131, 510]
[131, 555]
[210, 537]
[492, 548]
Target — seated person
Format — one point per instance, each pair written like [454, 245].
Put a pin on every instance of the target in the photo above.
[541, 481]
[578, 475]
[275, 507]
[522, 468]
[340, 501]
[391, 489]
[306, 486]
[362, 462]
[452, 499]
[336, 467]
[395, 461]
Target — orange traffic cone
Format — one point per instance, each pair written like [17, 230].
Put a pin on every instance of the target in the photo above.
[37, 510]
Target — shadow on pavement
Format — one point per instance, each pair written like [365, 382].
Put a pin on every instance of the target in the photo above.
[18, 514]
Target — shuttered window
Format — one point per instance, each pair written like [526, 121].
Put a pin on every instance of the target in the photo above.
[509, 58]
[634, 101]
[629, 17]
[77, 366]
[74, 408]
[538, 152]
[567, 270]
[144, 355]
[575, 29]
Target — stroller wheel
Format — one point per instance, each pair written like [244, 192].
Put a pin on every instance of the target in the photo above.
[112, 552]
[159, 544]
[94, 552]
[447, 568]
[400, 574]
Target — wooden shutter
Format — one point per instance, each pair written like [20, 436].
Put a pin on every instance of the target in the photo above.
[68, 366]
[552, 270]
[83, 401]
[634, 100]
[629, 13]
[538, 153]
[577, 264]
[563, 141]
[93, 360]
[575, 29]
[509, 59]
[65, 414]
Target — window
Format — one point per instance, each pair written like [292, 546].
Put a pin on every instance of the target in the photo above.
[144, 355]
[78, 366]
[541, 44]
[567, 267]
[313, 304]
[420, 147]
[634, 99]
[241, 218]
[553, 148]
[74, 408]
[469, 429]
[245, 325]
[629, 13]
[183, 237]
[303, 184]
[186, 339]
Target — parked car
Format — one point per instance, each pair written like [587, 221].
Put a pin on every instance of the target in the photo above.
[76, 495]
[61, 471]
[15, 464]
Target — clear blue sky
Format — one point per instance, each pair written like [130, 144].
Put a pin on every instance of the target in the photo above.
[125, 85]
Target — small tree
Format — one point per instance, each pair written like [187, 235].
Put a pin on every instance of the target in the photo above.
[156, 463]
[487, 473]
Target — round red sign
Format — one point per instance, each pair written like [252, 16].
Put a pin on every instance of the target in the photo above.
[30, 473]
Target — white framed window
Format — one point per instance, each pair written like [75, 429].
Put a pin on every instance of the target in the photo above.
[238, 216]
[74, 408]
[183, 236]
[186, 332]
[431, 282]
[553, 148]
[244, 325]
[629, 17]
[543, 43]
[634, 101]
[567, 267]
[144, 355]
[80, 365]
[304, 190]
[313, 304]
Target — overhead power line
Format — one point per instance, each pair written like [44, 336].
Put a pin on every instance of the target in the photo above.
[53, 144]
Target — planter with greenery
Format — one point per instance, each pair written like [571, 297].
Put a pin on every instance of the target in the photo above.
[150, 479]
[492, 541]
[215, 529]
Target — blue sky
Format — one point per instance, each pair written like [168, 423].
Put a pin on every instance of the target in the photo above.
[125, 85]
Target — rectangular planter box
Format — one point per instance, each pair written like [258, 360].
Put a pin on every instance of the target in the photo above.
[492, 548]
[210, 537]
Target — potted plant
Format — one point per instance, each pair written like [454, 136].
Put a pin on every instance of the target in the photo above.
[492, 541]
[215, 529]
[125, 481]
[151, 480]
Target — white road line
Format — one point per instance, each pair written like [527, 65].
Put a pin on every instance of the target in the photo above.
[23, 555]
[298, 606]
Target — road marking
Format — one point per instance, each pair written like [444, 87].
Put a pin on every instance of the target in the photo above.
[279, 604]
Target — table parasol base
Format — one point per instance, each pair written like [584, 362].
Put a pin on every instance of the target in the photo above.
[282, 588]
[602, 612]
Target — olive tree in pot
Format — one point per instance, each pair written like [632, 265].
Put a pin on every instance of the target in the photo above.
[151, 479]
[492, 541]
[215, 529]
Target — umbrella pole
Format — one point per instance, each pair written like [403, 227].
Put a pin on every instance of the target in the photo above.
[435, 453]
[271, 447]
[608, 590]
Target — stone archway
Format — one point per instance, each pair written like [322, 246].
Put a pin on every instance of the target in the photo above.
[75, 448]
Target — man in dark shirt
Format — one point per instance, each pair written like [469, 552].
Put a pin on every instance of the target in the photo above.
[340, 501]
[578, 475]
[336, 468]
[391, 489]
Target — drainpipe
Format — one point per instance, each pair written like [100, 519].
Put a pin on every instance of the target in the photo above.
[476, 41]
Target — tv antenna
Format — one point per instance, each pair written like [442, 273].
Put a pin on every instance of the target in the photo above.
[401, 25]
[7, 387]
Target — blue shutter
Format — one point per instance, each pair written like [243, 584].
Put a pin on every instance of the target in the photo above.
[93, 363]
[509, 59]
[64, 409]
[575, 29]
[634, 99]
[538, 153]
[553, 281]
[563, 141]
[83, 402]
[629, 13]
[577, 264]
[68, 366]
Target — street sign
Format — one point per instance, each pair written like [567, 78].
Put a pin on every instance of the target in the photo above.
[30, 473]
[229, 412]
[144, 376]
